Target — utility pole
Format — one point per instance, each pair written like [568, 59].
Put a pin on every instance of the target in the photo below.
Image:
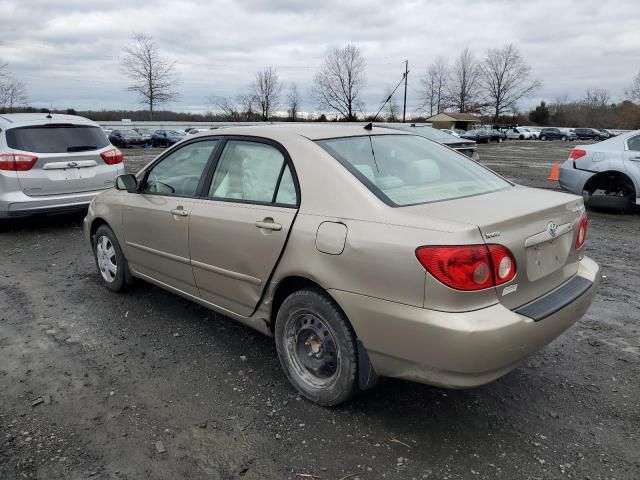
[406, 73]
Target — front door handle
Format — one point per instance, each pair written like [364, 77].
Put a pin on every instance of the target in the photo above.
[268, 224]
[179, 211]
[635, 159]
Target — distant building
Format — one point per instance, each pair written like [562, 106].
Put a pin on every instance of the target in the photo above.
[463, 121]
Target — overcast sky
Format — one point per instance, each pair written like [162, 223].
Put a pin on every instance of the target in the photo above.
[67, 51]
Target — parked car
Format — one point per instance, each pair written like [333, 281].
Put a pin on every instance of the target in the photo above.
[606, 173]
[51, 162]
[607, 132]
[466, 147]
[145, 133]
[166, 138]
[481, 135]
[553, 133]
[364, 252]
[589, 134]
[570, 133]
[127, 138]
[519, 133]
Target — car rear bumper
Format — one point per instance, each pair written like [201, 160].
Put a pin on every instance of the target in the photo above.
[17, 204]
[457, 350]
[573, 179]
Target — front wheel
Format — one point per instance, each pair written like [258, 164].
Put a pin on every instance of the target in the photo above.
[564, 138]
[543, 137]
[317, 348]
[110, 260]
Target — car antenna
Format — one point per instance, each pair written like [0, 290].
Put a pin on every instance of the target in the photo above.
[368, 126]
[49, 114]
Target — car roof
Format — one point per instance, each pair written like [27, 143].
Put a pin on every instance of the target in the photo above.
[309, 131]
[10, 120]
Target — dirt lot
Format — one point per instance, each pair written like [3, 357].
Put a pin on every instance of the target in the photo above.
[146, 385]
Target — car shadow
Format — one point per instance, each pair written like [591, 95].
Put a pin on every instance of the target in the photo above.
[42, 223]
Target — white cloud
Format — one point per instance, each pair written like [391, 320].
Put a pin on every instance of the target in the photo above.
[67, 51]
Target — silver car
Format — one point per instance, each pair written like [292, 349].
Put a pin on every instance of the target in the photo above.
[605, 173]
[51, 162]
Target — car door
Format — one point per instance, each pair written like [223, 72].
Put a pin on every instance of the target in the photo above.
[156, 218]
[631, 156]
[239, 228]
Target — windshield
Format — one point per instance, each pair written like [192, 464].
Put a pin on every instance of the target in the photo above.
[129, 133]
[56, 138]
[407, 169]
[173, 132]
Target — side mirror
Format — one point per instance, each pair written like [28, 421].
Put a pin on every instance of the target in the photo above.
[127, 182]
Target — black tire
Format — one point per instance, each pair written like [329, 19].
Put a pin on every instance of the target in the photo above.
[521, 137]
[564, 138]
[122, 278]
[317, 348]
[543, 137]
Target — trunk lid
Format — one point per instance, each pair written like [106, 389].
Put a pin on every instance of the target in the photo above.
[68, 158]
[538, 226]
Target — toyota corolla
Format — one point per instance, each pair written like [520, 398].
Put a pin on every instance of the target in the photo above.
[363, 251]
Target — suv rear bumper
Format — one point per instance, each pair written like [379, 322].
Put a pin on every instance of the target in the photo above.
[457, 350]
[17, 204]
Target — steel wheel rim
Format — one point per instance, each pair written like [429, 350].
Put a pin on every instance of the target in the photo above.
[107, 260]
[311, 350]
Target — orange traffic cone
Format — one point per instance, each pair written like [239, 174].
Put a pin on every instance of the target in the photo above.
[555, 172]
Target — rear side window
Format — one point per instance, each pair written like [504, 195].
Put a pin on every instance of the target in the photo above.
[56, 138]
[408, 170]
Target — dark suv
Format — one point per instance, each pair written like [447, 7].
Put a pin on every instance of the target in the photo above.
[552, 133]
[590, 134]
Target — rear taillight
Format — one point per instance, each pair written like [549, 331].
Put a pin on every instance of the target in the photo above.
[581, 237]
[17, 162]
[112, 156]
[468, 267]
[576, 153]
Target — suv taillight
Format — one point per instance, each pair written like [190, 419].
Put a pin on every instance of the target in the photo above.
[581, 237]
[468, 267]
[112, 156]
[17, 162]
[577, 153]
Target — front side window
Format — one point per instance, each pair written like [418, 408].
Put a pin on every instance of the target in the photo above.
[252, 172]
[179, 173]
[56, 138]
[407, 169]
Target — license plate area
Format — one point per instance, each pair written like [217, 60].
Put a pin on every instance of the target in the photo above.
[547, 257]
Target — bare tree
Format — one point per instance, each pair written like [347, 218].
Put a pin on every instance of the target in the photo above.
[462, 90]
[235, 109]
[294, 98]
[13, 92]
[505, 78]
[634, 89]
[596, 98]
[266, 91]
[337, 85]
[434, 86]
[153, 78]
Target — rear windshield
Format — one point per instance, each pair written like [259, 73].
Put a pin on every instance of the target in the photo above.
[408, 170]
[56, 138]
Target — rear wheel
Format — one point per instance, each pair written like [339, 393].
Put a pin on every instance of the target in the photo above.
[564, 138]
[317, 348]
[110, 260]
[543, 137]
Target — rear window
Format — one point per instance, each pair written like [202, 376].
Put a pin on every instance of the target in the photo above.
[56, 138]
[408, 170]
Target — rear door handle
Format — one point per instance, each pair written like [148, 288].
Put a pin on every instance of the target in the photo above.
[179, 211]
[268, 224]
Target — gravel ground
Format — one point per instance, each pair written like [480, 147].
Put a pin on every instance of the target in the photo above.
[147, 385]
